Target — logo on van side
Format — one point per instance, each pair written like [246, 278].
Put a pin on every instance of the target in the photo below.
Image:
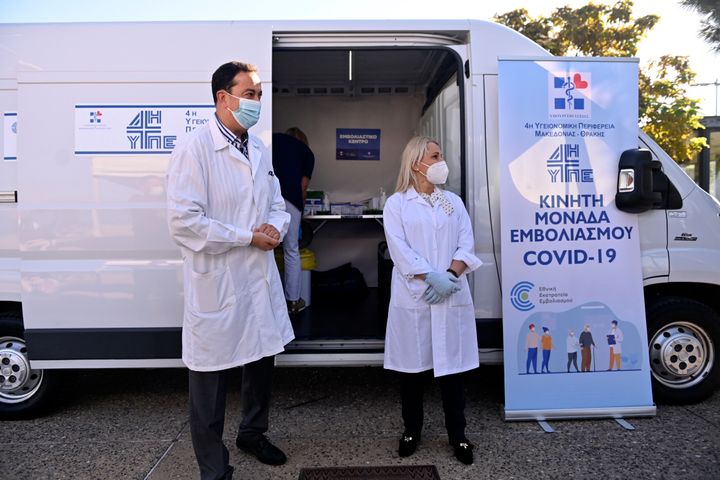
[563, 165]
[569, 94]
[144, 132]
[96, 116]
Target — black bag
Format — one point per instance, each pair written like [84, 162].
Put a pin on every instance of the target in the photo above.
[343, 284]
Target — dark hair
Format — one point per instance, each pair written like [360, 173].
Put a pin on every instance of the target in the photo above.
[224, 76]
[614, 322]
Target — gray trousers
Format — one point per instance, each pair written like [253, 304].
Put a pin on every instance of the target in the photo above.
[207, 413]
[291, 253]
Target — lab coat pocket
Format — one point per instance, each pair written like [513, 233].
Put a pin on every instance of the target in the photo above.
[409, 292]
[212, 291]
[463, 297]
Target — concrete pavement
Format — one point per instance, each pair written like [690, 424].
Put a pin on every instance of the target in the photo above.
[117, 424]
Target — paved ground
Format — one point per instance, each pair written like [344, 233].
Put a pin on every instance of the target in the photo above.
[111, 424]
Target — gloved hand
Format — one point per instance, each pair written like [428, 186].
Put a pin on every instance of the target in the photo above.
[444, 283]
[431, 296]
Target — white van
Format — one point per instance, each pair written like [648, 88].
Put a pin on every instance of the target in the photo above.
[89, 277]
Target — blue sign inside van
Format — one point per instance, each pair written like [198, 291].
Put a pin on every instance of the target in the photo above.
[357, 144]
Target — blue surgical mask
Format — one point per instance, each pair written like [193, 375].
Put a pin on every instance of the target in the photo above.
[248, 113]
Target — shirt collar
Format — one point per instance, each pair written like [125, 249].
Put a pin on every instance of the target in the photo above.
[222, 136]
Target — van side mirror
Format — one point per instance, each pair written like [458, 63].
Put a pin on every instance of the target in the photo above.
[642, 185]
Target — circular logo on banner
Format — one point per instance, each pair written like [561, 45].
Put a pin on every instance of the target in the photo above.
[520, 296]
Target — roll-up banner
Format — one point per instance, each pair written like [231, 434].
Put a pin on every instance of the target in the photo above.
[574, 329]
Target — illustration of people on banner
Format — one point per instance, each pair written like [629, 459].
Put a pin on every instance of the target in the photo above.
[610, 352]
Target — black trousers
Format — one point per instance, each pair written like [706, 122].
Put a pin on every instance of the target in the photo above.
[412, 387]
[207, 413]
[572, 358]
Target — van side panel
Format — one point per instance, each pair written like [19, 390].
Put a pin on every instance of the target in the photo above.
[96, 258]
[9, 257]
[488, 41]
[694, 240]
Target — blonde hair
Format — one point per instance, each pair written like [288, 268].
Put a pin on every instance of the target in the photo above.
[411, 156]
[297, 133]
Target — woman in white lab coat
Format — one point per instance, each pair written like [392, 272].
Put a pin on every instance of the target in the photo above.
[431, 318]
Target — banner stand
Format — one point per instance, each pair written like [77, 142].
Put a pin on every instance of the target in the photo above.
[578, 413]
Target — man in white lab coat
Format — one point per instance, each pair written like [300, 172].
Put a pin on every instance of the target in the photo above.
[226, 213]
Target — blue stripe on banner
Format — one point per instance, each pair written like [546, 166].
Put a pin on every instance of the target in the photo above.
[10, 114]
[9, 158]
[144, 106]
[115, 152]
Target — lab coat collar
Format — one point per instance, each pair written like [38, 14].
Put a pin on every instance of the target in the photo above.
[413, 194]
[219, 139]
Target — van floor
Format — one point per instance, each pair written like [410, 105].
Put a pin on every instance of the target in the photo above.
[330, 319]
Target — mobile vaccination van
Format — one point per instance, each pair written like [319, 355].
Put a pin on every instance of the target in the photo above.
[90, 278]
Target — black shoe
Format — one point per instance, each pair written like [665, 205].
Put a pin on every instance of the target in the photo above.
[408, 445]
[260, 447]
[296, 306]
[463, 451]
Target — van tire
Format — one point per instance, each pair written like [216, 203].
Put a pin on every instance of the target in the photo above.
[683, 341]
[29, 397]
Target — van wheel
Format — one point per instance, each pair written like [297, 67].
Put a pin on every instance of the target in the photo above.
[684, 336]
[23, 391]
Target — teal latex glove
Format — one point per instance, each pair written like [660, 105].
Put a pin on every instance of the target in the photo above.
[444, 283]
[431, 296]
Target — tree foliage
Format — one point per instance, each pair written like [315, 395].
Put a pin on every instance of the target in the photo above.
[710, 24]
[666, 113]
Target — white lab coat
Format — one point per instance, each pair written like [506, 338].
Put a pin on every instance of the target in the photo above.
[617, 348]
[235, 310]
[424, 239]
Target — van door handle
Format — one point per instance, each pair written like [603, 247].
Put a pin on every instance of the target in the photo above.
[8, 197]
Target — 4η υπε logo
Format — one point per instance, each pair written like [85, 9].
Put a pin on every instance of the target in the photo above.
[144, 132]
[564, 165]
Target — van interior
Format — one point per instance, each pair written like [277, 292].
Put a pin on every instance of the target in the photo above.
[401, 92]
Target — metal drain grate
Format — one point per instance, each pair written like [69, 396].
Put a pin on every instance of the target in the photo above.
[397, 472]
